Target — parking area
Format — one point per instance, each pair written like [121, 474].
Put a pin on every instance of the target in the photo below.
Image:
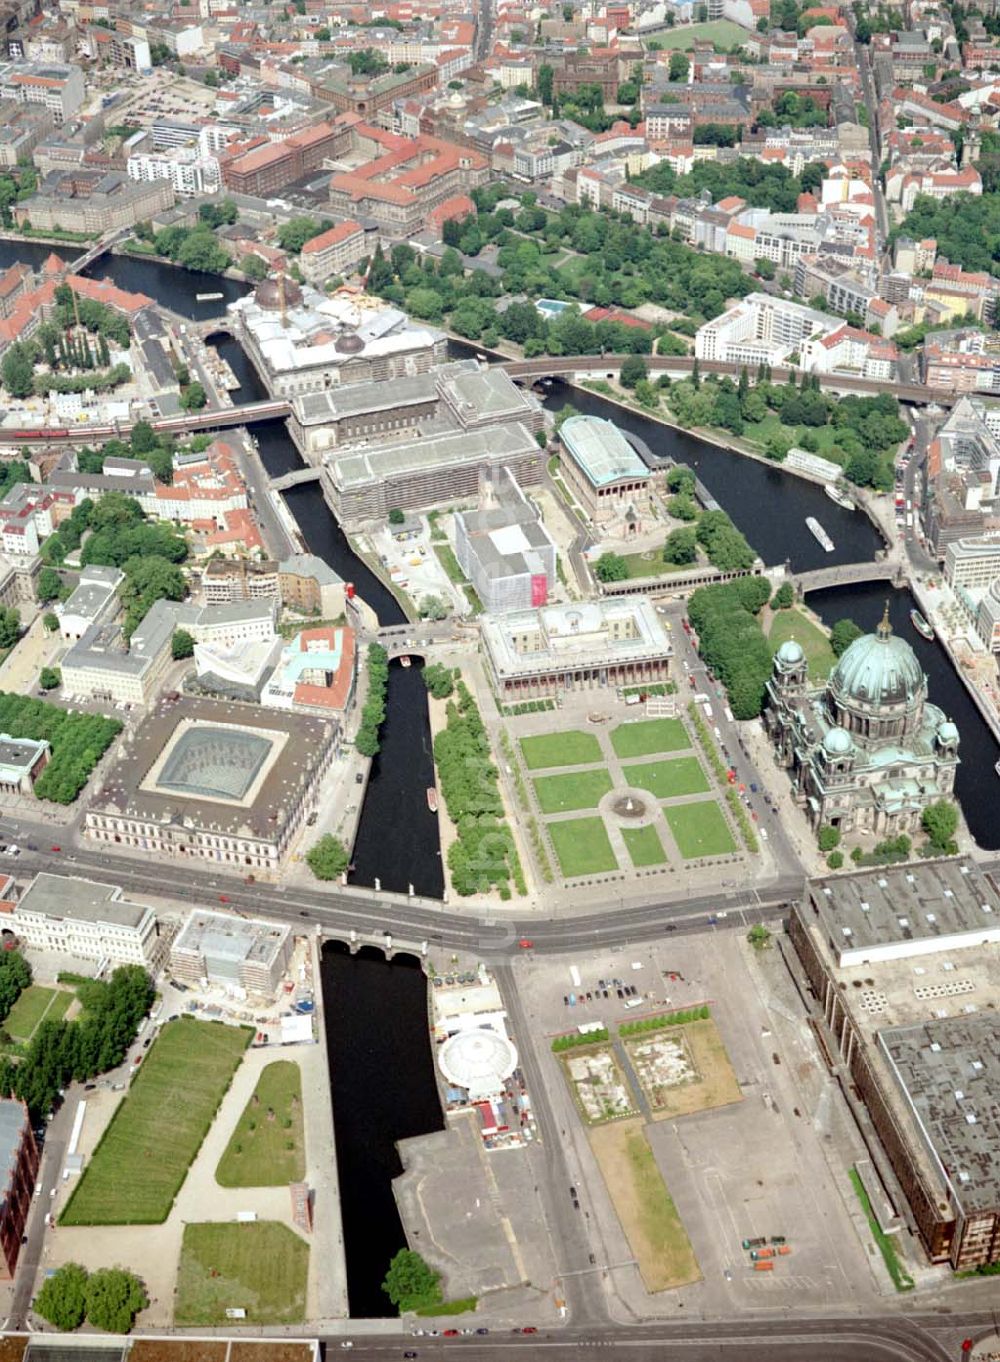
[740, 1114]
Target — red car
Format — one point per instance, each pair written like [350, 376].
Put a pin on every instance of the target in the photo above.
[57, 848]
[529, 1329]
[223, 898]
[449, 1333]
[525, 944]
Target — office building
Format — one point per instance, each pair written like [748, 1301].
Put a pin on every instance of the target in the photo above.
[337, 251]
[94, 600]
[22, 761]
[78, 917]
[92, 202]
[245, 955]
[902, 964]
[308, 584]
[58, 89]
[616, 641]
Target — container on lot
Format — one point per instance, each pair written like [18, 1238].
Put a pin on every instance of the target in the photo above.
[761, 1255]
[763, 1267]
[785, 1250]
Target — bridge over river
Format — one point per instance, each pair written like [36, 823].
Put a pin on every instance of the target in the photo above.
[892, 570]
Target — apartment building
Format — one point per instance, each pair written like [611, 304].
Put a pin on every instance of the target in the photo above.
[19, 1160]
[184, 168]
[759, 329]
[93, 203]
[225, 580]
[337, 251]
[57, 88]
[972, 563]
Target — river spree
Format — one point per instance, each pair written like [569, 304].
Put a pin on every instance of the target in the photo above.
[383, 1089]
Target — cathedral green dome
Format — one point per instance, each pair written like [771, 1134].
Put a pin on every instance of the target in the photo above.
[877, 669]
[948, 732]
[790, 653]
[838, 742]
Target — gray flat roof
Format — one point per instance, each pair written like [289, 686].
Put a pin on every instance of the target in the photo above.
[948, 1072]
[219, 936]
[310, 565]
[907, 903]
[12, 1119]
[80, 900]
[461, 447]
[20, 752]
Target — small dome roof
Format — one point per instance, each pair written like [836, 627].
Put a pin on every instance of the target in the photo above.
[838, 742]
[790, 653]
[878, 669]
[479, 1061]
[948, 732]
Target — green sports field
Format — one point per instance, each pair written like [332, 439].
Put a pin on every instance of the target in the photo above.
[143, 1157]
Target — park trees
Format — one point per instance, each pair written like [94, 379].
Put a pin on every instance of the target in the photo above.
[783, 598]
[63, 1297]
[681, 546]
[373, 710]
[940, 822]
[726, 546]
[611, 567]
[731, 640]
[181, 645]
[15, 976]
[17, 369]
[439, 680]
[843, 634]
[828, 837]
[10, 626]
[328, 858]
[633, 370]
[50, 585]
[113, 1299]
[49, 678]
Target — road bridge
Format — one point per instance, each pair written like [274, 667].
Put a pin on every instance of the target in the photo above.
[293, 479]
[681, 366]
[846, 574]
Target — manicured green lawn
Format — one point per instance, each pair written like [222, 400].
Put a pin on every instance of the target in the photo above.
[579, 790]
[260, 1267]
[582, 846]
[759, 432]
[571, 748]
[644, 846]
[699, 829]
[667, 779]
[786, 624]
[258, 1154]
[639, 565]
[646, 737]
[720, 31]
[143, 1157]
[35, 1004]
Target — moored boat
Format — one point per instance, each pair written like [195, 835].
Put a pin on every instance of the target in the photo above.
[432, 799]
[920, 624]
[836, 494]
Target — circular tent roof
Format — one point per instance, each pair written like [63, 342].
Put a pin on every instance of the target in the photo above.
[479, 1061]
[878, 669]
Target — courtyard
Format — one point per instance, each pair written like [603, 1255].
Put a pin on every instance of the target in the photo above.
[626, 796]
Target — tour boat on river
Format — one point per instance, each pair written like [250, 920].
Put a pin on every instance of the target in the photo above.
[817, 530]
[432, 799]
[839, 496]
[920, 624]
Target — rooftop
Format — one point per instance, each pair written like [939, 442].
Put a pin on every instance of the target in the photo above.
[80, 900]
[13, 1119]
[908, 909]
[220, 936]
[601, 450]
[948, 1073]
[351, 470]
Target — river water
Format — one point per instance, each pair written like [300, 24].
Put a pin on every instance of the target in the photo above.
[383, 1090]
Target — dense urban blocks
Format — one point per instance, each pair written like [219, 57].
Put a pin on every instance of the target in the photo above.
[260, 1267]
[699, 829]
[267, 1147]
[582, 846]
[571, 748]
[143, 1157]
[581, 790]
[668, 779]
[646, 737]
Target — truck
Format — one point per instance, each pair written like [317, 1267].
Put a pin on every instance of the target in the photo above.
[761, 1255]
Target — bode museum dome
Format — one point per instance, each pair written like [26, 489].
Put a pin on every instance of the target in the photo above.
[867, 752]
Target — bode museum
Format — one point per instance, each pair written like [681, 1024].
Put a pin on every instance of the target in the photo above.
[867, 752]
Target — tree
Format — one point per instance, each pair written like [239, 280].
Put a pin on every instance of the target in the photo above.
[439, 680]
[759, 937]
[410, 1282]
[679, 66]
[396, 516]
[784, 597]
[681, 546]
[181, 645]
[49, 678]
[842, 635]
[294, 234]
[17, 370]
[632, 371]
[114, 1297]
[63, 1297]
[611, 567]
[254, 267]
[433, 608]
[51, 621]
[835, 860]
[328, 858]
[544, 82]
[143, 438]
[50, 585]
[193, 397]
[828, 837]
[10, 626]
[940, 822]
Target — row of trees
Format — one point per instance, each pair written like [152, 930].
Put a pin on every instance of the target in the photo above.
[109, 1299]
[439, 680]
[78, 742]
[373, 711]
[62, 1052]
[15, 976]
[484, 854]
[761, 185]
[731, 641]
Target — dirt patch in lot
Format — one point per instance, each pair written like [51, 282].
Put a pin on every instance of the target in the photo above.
[715, 1083]
[645, 1208]
[177, 1350]
[270, 1352]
